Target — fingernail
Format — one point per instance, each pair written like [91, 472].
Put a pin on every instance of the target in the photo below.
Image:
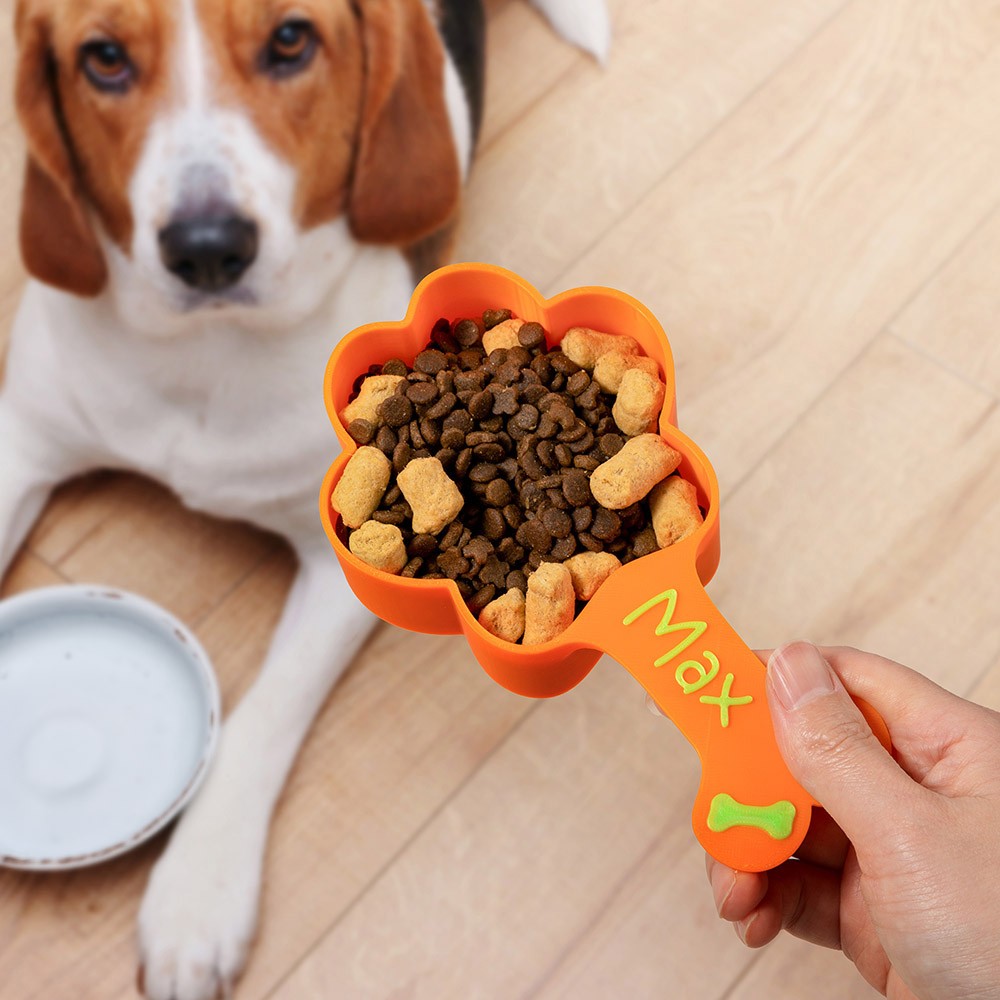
[744, 926]
[723, 883]
[798, 673]
[653, 708]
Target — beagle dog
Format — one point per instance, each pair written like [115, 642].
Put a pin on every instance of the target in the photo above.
[215, 189]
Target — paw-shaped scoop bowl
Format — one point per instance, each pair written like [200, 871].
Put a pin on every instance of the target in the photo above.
[652, 615]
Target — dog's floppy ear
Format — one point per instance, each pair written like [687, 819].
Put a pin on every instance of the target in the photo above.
[407, 179]
[57, 239]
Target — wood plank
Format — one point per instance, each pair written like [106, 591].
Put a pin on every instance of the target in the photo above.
[873, 525]
[151, 544]
[987, 689]
[577, 160]
[414, 719]
[657, 936]
[789, 969]
[72, 934]
[237, 633]
[516, 865]
[791, 236]
[75, 509]
[524, 60]
[28, 572]
[953, 320]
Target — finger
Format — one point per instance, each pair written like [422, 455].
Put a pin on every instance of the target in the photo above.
[925, 720]
[736, 893]
[901, 695]
[831, 751]
[825, 843]
[801, 899]
[908, 701]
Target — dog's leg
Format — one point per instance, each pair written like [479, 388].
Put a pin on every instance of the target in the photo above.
[29, 467]
[200, 910]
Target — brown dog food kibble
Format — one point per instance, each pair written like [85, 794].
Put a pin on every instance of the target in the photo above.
[504, 617]
[610, 369]
[500, 451]
[491, 317]
[639, 401]
[379, 545]
[373, 391]
[362, 486]
[395, 411]
[586, 346]
[361, 430]
[674, 506]
[627, 478]
[550, 604]
[503, 336]
[589, 570]
[435, 499]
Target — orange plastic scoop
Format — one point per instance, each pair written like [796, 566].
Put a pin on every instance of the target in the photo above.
[653, 615]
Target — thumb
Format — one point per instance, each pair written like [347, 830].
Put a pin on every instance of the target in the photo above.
[830, 750]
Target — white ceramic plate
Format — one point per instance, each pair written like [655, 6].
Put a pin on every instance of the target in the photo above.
[109, 715]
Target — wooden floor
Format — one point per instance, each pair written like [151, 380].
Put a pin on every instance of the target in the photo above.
[807, 194]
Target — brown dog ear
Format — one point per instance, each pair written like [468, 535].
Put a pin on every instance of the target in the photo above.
[58, 243]
[407, 178]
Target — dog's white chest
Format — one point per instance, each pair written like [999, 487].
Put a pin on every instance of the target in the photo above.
[245, 436]
[232, 420]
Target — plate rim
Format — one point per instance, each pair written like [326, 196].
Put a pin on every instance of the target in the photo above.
[26, 604]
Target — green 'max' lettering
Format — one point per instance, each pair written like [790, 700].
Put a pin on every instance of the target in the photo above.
[667, 625]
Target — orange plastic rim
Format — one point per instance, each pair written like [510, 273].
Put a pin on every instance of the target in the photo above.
[435, 606]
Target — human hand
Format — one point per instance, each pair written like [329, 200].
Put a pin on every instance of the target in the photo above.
[902, 869]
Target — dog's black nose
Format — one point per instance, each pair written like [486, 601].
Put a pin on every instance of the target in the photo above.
[209, 253]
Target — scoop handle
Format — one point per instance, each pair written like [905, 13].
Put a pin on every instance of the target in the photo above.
[656, 619]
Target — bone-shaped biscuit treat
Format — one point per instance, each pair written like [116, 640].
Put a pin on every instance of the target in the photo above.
[373, 392]
[589, 570]
[379, 545]
[610, 368]
[550, 604]
[504, 616]
[502, 335]
[640, 398]
[362, 486]
[433, 497]
[627, 477]
[585, 346]
[676, 514]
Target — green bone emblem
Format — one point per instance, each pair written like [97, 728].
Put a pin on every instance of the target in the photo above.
[775, 820]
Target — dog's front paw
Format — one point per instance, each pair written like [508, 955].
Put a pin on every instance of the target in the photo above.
[199, 913]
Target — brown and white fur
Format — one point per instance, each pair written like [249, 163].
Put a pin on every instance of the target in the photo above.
[341, 171]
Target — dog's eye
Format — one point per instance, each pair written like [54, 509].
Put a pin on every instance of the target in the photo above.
[290, 48]
[106, 65]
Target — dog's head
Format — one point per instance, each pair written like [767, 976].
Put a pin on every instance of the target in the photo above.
[196, 153]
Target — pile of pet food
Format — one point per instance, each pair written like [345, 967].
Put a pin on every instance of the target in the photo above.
[526, 475]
